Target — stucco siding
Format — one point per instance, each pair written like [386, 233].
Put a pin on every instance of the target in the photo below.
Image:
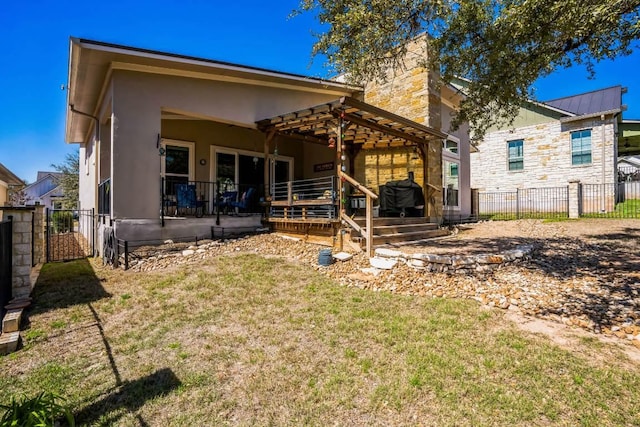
[547, 157]
[87, 188]
[138, 101]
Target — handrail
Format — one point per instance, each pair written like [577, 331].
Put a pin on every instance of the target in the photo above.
[351, 222]
[370, 197]
[359, 186]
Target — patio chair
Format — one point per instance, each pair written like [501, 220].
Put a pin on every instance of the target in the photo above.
[245, 200]
[224, 200]
[186, 199]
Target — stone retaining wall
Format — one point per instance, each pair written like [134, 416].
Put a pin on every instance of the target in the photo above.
[453, 264]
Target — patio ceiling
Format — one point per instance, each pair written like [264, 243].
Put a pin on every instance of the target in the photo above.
[364, 124]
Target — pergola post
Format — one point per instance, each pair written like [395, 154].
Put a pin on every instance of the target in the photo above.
[267, 148]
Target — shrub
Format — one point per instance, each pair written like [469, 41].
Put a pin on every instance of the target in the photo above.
[62, 221]
[42, 410]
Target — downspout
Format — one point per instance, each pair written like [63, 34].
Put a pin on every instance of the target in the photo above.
[97, 133]
[604, 166]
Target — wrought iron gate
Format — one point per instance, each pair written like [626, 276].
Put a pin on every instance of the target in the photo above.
[70, 234]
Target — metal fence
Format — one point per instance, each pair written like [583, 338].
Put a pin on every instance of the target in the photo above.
[621, 200]
[614, 200]
[548, 202]
[6, 248]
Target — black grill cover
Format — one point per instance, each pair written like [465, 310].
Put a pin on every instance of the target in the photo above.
[398, 195]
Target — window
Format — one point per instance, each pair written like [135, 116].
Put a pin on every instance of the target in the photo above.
[177, 164]
[451, 146]
[581, 147]
[515, 153]
[451, 185]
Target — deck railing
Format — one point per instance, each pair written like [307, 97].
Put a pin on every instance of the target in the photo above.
[305, 199]
[209, 198]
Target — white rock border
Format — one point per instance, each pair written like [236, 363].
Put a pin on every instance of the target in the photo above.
[456, 264]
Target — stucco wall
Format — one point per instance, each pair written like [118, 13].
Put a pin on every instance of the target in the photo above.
[464, 149]
[137, 104]
[547, 157]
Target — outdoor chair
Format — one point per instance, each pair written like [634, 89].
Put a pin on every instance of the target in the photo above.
[225, 199]
[245, 200]
[186, 199]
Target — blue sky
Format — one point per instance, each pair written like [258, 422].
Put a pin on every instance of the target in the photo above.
[34, 41]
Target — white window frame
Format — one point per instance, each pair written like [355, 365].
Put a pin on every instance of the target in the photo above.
[213, 170]
[192, 156]
[446, 171]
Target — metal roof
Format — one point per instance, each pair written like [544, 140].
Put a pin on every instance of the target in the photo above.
[366, 125]
[597, 101]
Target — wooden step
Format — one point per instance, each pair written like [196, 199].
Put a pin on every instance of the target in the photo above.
[403, 228]
[407, 237]
[361, 221]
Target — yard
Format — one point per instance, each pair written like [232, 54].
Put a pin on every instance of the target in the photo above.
[245, 339]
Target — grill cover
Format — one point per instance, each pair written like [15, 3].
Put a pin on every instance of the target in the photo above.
[399, 195]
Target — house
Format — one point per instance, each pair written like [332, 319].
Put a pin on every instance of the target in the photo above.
[629, 168]
[8, 180]
[550, 143]
[45, 191]
[174, 146]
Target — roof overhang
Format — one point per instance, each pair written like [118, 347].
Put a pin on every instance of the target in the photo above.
[364, 124]
[91, 64]
[590, 116]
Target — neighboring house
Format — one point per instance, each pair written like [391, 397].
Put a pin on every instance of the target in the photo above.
[45, 191]
[152, 125]
[629, 168]
[8, 180]
[552, 143]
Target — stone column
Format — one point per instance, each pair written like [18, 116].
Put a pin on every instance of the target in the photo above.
[574, 198]
[21, 254]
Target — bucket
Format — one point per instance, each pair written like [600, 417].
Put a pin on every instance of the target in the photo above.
[324, 257]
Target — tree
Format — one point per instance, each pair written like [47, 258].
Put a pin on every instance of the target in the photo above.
[69, 181]
[499, 46]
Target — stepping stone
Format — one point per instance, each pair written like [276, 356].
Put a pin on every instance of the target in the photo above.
[11, 321]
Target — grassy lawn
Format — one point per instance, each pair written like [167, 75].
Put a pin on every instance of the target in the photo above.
[246, 340]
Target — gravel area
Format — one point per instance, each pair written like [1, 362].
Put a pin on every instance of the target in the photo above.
[583, 273]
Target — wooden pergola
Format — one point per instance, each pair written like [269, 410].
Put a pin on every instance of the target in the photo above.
[351, 125]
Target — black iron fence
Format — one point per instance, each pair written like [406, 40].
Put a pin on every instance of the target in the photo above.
[614, 200]
[199, 198]
[621, 200]
[6, 250]
[548, 202]
[69, 234]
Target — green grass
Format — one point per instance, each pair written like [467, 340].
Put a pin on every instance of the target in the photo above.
[630, 208]
[246, 340]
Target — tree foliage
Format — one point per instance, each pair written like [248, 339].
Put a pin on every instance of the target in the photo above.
[499, 46]
[69, 181]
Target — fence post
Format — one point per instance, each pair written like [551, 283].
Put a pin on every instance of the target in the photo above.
[517, 203]
[574, 198]
[126, 254]
[47, 233]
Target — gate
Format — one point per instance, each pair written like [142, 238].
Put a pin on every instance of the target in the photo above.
[6, 250]
[70, 234]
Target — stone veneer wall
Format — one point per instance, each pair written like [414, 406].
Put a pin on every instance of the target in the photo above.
[22, 260]
[410, 91]
[547, 157]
